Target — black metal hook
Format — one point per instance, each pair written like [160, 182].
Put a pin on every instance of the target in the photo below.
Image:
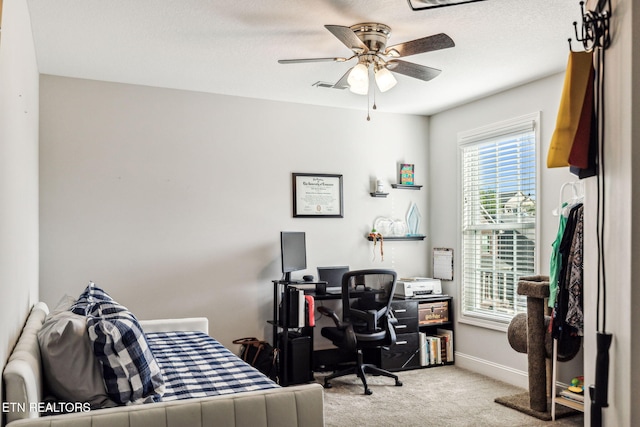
[594, 31]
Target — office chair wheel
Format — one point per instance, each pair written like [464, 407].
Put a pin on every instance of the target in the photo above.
[368, 392]
[327, 385]
[398, 383]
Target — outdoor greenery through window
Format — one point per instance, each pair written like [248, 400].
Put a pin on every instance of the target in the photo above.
[498, 165]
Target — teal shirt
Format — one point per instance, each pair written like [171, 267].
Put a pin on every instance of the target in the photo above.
[556, 262]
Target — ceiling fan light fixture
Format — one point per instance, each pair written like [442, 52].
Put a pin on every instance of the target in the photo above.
[384, 79]
[359, 79]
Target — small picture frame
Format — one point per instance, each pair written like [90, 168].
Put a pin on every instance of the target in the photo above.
[407, 172]
[317, 195]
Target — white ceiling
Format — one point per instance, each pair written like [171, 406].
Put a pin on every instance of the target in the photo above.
[231, 47]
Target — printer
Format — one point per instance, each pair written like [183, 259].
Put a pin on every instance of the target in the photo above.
[418, 287]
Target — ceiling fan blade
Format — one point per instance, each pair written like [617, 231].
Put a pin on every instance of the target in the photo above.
[347, 37]
[299, 61]
[342, 83]
[413, 70]
[425, 44]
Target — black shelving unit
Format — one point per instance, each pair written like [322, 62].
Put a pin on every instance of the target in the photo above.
[294, 344]
[405, 353]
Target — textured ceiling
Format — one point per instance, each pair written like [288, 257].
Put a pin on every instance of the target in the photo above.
[231, 47]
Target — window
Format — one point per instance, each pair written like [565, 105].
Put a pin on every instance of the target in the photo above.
[499, 226]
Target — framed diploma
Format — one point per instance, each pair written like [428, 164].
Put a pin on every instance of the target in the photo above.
[317, 195]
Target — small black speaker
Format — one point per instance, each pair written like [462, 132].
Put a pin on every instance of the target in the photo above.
[321, 288]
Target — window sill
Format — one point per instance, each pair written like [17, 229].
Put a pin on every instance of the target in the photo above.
[484, 323]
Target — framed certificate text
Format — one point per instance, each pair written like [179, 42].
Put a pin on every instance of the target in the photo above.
[317, 195]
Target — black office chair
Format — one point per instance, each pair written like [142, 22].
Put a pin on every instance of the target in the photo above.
[367, 320]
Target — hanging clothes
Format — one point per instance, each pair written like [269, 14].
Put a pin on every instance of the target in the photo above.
[574, 279]
[555, 264]
[570, 301]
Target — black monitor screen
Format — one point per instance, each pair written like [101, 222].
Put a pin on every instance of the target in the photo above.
[332, 275]
[293, 250]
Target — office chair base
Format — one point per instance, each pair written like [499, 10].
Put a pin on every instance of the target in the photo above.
[360, 371]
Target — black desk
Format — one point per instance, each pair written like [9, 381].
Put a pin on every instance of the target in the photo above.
[325, 296]
[338, 295]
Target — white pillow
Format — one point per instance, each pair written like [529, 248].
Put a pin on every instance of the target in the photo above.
[72, 372]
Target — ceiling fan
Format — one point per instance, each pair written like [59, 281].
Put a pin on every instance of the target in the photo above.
[368, 42]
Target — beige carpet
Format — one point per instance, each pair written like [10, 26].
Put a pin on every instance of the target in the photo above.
[442, 396]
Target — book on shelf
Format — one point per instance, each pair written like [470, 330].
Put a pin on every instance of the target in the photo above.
[442, 340]
[432, 358]
[302, 305]
[577, 397]
[424, 349]
[436, 349]
[448, 337]
[310, 310]
[433, 342]
[296, 311]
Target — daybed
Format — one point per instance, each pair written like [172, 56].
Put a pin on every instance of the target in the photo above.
[297, 406]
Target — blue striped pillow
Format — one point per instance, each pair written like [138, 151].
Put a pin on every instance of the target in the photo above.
[130, 371]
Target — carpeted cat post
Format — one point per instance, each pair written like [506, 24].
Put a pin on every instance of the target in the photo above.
[536, 289]
[529, 333]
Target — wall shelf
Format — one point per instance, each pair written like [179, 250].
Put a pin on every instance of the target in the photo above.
[376, 194]
[406, 187]
[410, 237]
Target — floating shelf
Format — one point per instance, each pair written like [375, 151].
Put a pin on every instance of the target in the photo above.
[406, 187]
[410, 237]
[376, 194]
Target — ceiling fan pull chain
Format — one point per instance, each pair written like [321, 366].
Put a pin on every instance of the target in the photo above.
[371, 85]
[373, 89]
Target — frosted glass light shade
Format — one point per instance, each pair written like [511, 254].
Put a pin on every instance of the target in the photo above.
[385, 80]
[359, 79]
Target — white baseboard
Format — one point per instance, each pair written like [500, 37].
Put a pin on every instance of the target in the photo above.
[503, 373]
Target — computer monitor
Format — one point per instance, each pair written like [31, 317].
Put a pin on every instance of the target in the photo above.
[293, 252]
[333, 277]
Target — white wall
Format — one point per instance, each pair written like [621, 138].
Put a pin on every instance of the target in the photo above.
[622, 137]
[480, 348]
[18, 174]
[173, 201]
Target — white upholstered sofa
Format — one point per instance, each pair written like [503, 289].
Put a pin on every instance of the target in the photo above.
[297, 406]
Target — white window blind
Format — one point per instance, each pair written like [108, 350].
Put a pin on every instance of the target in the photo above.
[498, 165]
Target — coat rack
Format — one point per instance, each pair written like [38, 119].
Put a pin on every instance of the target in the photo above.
[594, 32]
[594, 35]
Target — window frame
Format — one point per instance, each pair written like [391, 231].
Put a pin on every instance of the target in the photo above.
[477, 136]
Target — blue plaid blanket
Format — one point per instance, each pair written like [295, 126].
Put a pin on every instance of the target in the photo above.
[195, 365]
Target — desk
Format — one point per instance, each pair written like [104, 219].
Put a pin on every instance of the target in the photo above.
[298, 359]
[321, 297]
[335, 295]
[406, 353]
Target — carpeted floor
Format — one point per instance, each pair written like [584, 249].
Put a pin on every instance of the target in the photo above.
[442, 396]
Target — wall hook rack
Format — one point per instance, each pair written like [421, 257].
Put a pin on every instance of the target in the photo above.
[594, 32]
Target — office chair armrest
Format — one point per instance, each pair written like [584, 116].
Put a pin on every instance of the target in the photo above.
[332, 314]
[349, 341]
[391, 320]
